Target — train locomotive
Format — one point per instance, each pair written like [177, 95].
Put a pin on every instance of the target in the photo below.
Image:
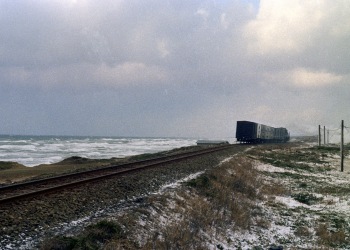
[251, 132]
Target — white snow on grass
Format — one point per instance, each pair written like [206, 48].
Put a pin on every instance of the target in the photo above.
[178, 182]
[272, 169]
[290, 202]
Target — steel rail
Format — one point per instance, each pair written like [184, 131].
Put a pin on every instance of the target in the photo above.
[146, 164]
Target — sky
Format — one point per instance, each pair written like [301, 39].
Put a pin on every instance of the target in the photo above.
[172, 68]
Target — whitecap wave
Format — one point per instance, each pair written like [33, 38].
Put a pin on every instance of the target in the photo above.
[32, 151]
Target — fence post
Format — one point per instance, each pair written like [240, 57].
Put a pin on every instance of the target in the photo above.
[319, 135]
[342, 147]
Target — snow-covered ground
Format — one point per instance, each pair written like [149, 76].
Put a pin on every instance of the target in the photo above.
[312, 213]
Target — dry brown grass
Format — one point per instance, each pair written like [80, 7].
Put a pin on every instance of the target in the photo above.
[224, 198]
[92, 237]
[230, 190]
[176, 236]
[330, 237]
[303, 231]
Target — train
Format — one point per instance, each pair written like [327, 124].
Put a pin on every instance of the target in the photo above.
[252, 132]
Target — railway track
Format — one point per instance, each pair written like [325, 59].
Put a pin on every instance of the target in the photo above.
[25, 190]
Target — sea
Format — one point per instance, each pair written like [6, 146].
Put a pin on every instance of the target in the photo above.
[35, 150]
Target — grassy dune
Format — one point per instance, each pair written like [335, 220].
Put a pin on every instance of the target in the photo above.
[11, 172]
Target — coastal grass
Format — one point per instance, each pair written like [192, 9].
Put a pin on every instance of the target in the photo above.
[93, 237]
[12, 172]
[223, 198]
[312, 186]
[5, 165]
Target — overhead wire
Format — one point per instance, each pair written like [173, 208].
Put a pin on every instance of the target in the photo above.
[335, 132]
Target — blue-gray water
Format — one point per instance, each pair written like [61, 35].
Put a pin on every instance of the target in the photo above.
[35, 150]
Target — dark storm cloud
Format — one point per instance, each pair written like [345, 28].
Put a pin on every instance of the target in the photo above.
[174, 35]
[170, 68]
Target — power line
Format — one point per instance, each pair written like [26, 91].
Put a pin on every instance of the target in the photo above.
[336, 129]
[333, 133]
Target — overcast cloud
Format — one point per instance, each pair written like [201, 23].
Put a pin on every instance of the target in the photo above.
[172, 68]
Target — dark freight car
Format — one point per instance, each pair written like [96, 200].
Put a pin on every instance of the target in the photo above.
[251, 132]
[246, 131]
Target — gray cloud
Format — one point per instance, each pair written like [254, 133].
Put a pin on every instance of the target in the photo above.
[171, 68]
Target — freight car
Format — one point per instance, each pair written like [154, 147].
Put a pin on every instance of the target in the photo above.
[251, 132]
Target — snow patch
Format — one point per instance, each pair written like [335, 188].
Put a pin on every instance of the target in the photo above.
[290, 202]
[272, 169]
[178, 182]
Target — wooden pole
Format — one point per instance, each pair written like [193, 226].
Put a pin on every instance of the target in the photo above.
[324, 135]
[319, 135]
[342, 147]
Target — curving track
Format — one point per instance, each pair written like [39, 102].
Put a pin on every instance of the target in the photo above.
[20, 191]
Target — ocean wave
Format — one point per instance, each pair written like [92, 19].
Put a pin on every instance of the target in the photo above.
[45, 150]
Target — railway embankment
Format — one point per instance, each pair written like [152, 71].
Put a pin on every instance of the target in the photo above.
[286, 196]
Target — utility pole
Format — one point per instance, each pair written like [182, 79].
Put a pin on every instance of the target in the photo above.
[342, 147]
[324, 135]
[319, 135]
[327, 136]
